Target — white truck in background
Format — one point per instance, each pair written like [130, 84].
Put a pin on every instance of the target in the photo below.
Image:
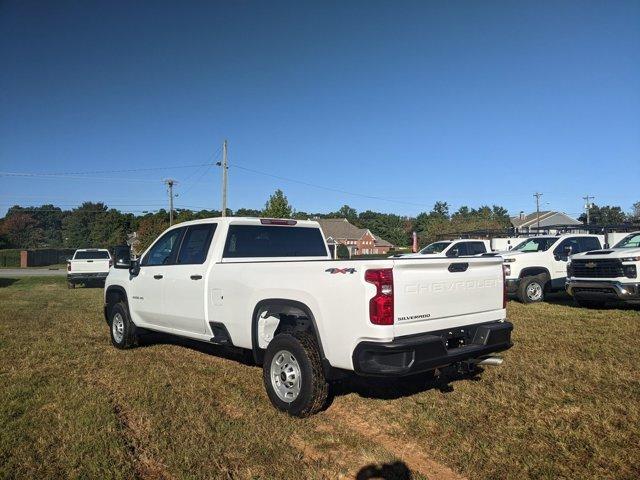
[452, 248]
[538, 265]
[602, 276]
[88, 266]
[269, 286]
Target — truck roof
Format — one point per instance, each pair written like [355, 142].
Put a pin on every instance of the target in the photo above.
[251, 221]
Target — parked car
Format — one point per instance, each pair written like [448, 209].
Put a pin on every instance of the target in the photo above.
[595, 278]
[538, 265]
[88, 266]
[270, 286]
[453, 248]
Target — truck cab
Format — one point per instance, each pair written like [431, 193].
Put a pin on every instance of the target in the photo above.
[538, 265]
[598, 277]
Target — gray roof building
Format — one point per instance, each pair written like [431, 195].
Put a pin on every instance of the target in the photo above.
[548, 218]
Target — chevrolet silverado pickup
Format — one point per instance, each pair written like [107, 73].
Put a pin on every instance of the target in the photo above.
[88, 266]
[270, 286]
[538, 265]
[595, 278]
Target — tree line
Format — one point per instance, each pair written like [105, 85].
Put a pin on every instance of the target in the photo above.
[94, 224]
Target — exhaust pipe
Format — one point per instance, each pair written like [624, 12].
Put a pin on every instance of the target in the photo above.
[493, 361]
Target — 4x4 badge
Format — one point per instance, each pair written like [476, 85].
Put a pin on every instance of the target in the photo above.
[340, 270]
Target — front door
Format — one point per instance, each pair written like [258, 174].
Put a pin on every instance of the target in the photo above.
[561, 259]
[185, 297]
[148, 287]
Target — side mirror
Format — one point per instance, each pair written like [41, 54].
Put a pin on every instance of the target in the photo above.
[453, 253]
[122, 257]
[567, 250]
[134, 268]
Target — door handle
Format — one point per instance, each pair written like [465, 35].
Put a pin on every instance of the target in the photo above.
[196, 277]
[157, 277]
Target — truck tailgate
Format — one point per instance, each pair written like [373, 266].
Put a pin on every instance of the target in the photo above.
[436, 294]
[89, 266]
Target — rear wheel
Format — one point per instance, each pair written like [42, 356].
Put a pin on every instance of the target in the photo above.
[71, 285]
[123, 331]
[293, 376]
[531, 289]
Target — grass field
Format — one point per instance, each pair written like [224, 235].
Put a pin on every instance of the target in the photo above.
[565, 404]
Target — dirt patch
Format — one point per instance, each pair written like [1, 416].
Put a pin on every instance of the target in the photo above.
[404, 449]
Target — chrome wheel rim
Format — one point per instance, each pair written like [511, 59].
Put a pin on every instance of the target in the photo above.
[534, 291]
[117, 327]
[285, 376]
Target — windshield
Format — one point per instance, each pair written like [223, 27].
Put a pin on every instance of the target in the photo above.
[630, 241]
[436, 247]
[92, 255]
[541, 244]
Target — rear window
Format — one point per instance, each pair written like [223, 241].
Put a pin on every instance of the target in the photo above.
[97, 255]
[247, 241]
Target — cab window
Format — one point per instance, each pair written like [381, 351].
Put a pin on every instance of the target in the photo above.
[589, 243]
[195, 244]
[165, 250]
[568, 242]
[476, 248]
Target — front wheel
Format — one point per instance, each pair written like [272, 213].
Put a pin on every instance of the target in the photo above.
[293, 376]
[531, 289]
[122, 329]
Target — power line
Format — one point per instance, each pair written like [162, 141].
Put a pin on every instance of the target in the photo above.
[330, 189]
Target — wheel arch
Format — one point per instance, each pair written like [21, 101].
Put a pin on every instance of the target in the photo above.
[533, 271]
[258, 353]
[113, 295]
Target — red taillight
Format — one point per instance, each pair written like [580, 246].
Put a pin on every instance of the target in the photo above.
[504, 286]
[381, 305]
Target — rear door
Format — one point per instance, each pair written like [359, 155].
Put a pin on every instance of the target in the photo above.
[434, 294]
[184, 281]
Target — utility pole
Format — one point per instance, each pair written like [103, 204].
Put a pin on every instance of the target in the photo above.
[538, 195]
[170, 182]
[225, 168]
[588, 205]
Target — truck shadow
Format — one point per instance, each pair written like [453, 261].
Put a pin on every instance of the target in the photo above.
[239, 355]
[367, 387]
[394, 388]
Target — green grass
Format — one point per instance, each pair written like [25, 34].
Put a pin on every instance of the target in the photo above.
[565, 404]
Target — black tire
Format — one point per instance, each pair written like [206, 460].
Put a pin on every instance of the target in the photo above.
[123, 333]
[532, 289]
[588, 303]
[71, 285]
[313, 386]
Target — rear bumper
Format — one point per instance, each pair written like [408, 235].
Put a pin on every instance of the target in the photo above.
[87, 277]
[603, 289]
[424, 352]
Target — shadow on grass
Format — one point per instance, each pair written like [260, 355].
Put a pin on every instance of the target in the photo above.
[394, 388]
[239, 355]
[387, 471]
[7, 282]
[565, 300]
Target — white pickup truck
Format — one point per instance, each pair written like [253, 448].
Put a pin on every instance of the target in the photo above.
[453, 248]
[88, 266]
[595, 278]
[270, 286]
[539, 264]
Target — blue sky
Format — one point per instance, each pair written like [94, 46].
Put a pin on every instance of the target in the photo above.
[411, 102]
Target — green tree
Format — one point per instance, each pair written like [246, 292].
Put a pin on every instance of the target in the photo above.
[247, 212]
[77, 225]
[21, 230]
[634, 216]
[277, 206]
[605, 215]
